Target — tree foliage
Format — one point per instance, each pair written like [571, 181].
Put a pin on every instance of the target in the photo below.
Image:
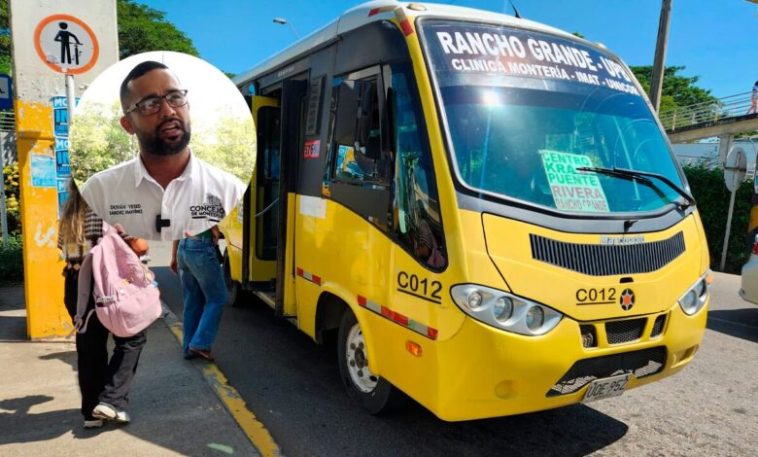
[677, 90]
[12, 199]
[5, 39]
[142, 29]
[97, 141]
[712, 197]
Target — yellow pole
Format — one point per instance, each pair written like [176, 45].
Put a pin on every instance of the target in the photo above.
[43, 284]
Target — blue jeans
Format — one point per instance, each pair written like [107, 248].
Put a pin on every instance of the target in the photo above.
[203, 290]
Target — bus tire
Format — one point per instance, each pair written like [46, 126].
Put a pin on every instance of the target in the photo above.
[372, 392]
[233, 288]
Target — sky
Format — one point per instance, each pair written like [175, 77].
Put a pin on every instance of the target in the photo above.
[714, 40]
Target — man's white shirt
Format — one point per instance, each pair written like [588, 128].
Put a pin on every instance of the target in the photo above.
[193, 202]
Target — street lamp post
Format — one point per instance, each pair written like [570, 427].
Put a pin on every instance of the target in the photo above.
[283, 21]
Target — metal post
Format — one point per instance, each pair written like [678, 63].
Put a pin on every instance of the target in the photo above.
[70, 98]
[728, 229]
[656, 80]
[725, 145]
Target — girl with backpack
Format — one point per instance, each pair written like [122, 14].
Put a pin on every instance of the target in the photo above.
[104, 383]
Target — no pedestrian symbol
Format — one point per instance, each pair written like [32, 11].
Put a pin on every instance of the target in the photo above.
[66, 44]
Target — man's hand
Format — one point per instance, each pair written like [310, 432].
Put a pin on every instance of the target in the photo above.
[174, 264]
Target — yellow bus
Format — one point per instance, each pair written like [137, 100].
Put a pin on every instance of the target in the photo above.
[484, 210]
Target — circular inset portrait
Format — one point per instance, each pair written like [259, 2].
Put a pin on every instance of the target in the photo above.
[163, 144]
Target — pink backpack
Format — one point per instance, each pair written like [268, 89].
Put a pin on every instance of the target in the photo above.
[126, 296]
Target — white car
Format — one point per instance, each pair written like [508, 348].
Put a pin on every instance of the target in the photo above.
[749, 289]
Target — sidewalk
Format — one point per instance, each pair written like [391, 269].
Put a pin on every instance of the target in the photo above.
[173, 409]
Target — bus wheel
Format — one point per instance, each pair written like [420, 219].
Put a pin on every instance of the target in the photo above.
[374, 393]
[232, 287]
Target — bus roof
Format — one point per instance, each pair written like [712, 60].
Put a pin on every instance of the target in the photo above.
[380, 10]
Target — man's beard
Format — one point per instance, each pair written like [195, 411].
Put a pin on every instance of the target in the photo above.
[155, 145]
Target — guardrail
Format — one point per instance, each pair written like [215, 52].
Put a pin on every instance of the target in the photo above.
[700, 113]
[7, 121]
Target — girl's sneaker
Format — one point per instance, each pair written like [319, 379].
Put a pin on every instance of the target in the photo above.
[93, 423]
[111, 413]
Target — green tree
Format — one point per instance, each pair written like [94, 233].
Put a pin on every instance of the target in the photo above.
[227, 143]
[5, 39]
[97, 141]
[142, 29]
[678, 90]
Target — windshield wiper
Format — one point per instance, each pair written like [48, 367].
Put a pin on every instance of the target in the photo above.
[643, 176]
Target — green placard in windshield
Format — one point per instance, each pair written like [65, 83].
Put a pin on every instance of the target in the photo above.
[573, 190]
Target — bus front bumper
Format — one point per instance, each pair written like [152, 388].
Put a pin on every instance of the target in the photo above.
[486, 372]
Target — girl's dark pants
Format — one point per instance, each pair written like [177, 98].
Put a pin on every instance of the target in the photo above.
[101, 380]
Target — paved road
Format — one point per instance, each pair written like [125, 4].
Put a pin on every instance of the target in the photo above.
[292, 385]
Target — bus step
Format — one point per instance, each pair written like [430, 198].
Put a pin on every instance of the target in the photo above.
[267, 297]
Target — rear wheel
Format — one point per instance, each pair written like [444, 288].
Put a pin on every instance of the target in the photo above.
[373, 392]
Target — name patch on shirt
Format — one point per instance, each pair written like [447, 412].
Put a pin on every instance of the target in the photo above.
[212, 209]
[125, 209]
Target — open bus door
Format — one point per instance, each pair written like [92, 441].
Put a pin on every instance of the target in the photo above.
[291, 134]
[269, 231]
[259, 228]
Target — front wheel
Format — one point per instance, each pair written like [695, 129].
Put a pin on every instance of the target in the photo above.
[373, 392]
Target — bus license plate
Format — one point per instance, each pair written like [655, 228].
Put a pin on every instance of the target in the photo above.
[606, 388]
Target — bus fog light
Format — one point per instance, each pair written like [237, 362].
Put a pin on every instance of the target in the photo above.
[535, 317]
[503, 309]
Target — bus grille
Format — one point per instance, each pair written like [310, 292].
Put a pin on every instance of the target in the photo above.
[641, 363]
[624, 331]
[605, 260]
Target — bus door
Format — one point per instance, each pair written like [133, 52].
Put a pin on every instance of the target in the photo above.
[259, 229]
[292, 123]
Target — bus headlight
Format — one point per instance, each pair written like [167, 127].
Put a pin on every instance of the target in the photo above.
[505, 310]
[694, 299]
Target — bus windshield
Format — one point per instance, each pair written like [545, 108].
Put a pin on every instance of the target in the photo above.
[527, 113]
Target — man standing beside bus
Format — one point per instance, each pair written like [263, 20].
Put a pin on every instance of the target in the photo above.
[167, 193]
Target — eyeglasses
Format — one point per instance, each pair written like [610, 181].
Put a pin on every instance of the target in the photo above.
[152, 105]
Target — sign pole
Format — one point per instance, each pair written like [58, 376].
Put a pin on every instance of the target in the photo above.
[728, 229]
[70, 98]
[735, 168]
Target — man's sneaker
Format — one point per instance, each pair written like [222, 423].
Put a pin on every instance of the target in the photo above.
[108, 412]
[93, 423]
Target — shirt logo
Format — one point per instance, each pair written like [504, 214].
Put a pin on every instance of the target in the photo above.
[627, 299]
[212, 210]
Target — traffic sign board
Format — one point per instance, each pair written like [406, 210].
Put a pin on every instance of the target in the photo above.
[66, 44]
[735, 168]
[6, 96]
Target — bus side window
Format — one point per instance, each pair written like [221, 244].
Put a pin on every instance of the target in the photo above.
[418, 222]
[357, 132]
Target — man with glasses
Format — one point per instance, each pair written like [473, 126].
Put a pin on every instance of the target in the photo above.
[165, 192]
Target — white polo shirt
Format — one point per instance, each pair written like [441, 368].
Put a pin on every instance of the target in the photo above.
[195, 201]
